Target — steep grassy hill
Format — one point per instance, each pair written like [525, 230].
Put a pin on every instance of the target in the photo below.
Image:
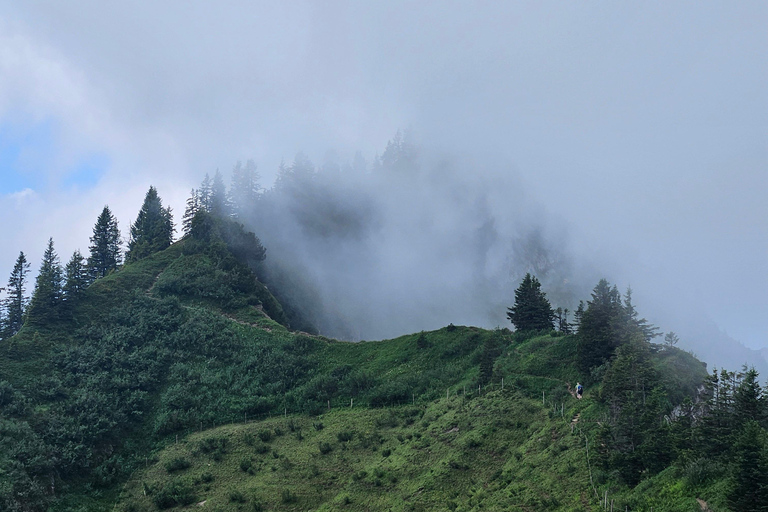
[176, 380]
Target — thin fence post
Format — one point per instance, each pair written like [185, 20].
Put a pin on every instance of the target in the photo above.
[329, 404]
[447, 391]
[351, 401]
[502, 383]
[542, 398]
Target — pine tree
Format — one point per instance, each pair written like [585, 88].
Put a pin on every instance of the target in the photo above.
[193, 206]
[153, 229]
[598, 336]
[748, 400]
[244, 192]
[76, 277]
[532, 311]
[671, 339]
[48, 292]
[561, 321]
[749, 489]
[105, 251]
[204, 193]
[636, 324]
[16, 301]
[219, 205]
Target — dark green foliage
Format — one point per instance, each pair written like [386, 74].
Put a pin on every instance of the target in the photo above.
[76, 278]
[597, 329]
[288, 497]
[177, 464]
[105, 252]
[325, 448]
[152, 231]
[246, 465]
[175, 493]
[15, 304]
[345, 436]
[531, 311]
[749, 489]
[47, 297]
[237, 497]
[421, 341]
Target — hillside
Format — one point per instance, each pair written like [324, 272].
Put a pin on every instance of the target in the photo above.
[176, 381]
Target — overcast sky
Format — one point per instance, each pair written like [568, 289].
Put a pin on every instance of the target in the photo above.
[642, 126]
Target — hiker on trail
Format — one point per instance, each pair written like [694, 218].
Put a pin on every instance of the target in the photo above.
[579, 390]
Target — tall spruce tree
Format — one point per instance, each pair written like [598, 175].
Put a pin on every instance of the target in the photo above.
[76, 277]
[16, 300]
[105, 251]
[749, 485]
[204, 193]
[219, 205]
[532, 311]
[599, 326]
[48, 292]
[244, 191]
[153, 229]
[193, 206]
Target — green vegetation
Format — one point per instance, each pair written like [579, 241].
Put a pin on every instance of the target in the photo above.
[176, 380]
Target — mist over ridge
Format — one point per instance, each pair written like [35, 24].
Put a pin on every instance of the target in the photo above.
[419, 238]
[408, 242]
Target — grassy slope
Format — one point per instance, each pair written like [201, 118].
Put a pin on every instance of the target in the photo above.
[500, 450]
[497, 451]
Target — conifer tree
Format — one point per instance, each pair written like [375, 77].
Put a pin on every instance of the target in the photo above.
[749, 489]
[105, 251]
[48, 292]
[76, 277]
[204, 193]
[153, 229]
[633, 322]
[219, 205]
[532, 311]
[16, 300]
[193, 206]
[748, 400]
[244, 191]
[598, 336]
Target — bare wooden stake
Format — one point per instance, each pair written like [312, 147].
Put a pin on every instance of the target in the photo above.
[502, 383]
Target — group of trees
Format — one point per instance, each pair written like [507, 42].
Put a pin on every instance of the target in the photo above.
[212, 196]
[56, 287]
[721, 433]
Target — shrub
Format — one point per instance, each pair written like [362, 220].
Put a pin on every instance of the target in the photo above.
[175, 493]
[237, 497]
[345, 436]
[288, 497]
[325, 448]
[265, 435]
[206, 477]
[177, 464]
[318, 425]
[386, 453]
[246, 465]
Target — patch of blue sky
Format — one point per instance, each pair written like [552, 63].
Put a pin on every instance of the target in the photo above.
[87, 173]
[24, 150]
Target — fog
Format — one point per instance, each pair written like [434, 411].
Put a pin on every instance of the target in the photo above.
[626, 141]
